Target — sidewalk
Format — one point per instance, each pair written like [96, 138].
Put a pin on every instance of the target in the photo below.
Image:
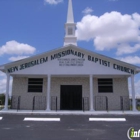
[44, 112]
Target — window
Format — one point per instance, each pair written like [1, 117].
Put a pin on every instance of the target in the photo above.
[105, 85]
[35, 84]
[70, 31]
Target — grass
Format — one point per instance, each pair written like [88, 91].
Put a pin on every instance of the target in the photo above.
[138, 108]
[1, 107]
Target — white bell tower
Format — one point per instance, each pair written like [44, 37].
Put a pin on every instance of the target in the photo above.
[70, 26]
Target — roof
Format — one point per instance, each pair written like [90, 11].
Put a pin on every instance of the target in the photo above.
[70, 46]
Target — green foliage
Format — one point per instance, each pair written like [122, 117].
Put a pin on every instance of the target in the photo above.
[2, 99]
[138, 107]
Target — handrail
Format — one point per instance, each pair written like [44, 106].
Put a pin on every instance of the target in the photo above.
[121, 101]
[33, 103]
[106, 99]
[56, 103]
[17, 101]
[18, 105]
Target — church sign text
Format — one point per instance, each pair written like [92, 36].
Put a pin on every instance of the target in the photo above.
[70, 61]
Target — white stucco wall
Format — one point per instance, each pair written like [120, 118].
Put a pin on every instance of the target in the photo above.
[20, 88]
[120, 88]
[20, 85]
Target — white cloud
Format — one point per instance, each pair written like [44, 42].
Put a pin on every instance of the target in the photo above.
[14, 47]
[53, 2]
[131, 59]
[87, 11]
[127, 49]
[111, 30]
[137, 86]
[17, 58]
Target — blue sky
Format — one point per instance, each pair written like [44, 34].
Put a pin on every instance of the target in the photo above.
[29, 27]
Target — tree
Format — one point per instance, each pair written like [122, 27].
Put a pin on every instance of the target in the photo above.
[2, 99]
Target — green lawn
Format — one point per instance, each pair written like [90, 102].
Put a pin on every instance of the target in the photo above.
[1, 107]
[138, 108]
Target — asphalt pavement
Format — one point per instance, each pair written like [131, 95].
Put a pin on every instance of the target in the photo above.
[70, 127]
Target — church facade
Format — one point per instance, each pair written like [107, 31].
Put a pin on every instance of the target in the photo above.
[70, 78]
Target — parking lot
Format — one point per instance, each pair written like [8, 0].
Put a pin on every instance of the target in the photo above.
[66, 127]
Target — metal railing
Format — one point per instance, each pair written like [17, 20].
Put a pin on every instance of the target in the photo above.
[18, 106]
[15, 102]
[124, 103]
[39, 103]
[121, 102]
[33, 103]
[101, 103]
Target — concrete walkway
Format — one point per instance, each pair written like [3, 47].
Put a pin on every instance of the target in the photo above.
[44, 112]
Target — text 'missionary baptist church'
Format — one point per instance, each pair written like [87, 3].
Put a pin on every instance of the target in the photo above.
[70, 78]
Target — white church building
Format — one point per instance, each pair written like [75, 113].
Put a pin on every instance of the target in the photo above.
[70, 78]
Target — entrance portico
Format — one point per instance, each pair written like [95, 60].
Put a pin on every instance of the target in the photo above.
[38, 80]
[53, 84]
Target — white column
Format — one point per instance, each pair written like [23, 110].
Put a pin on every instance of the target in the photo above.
[91, 92]
[48, 92]
[7, 92]
[133, 93]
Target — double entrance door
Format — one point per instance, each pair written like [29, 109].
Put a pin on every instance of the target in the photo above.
[71, 97]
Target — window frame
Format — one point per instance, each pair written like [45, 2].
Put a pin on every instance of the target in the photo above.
[106, 85]
[33, 84]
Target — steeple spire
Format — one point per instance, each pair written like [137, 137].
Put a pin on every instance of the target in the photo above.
[70, 18]
[70, 26]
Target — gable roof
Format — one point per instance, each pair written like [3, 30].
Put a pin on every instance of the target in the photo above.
[70, 46]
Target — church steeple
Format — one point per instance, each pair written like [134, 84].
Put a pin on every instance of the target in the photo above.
[70, 26]
[70, 18]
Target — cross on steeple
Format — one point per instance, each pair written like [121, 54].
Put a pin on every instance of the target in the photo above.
[70, 26]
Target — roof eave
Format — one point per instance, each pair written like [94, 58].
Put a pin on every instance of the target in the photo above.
[3, 67]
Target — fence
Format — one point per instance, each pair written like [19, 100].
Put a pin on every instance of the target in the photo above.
[15, 102]
[125, 103]
[101, 103]
[39, 103]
